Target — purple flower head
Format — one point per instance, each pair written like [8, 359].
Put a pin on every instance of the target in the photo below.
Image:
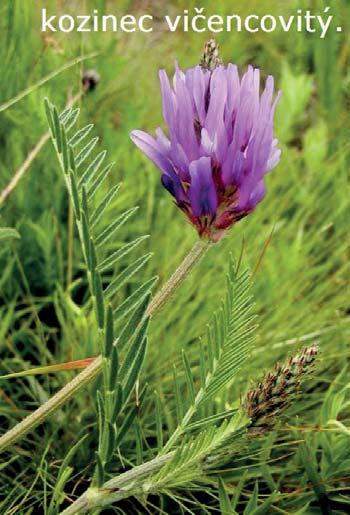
[219, 147]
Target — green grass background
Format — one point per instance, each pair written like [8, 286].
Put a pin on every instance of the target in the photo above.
[301, 277]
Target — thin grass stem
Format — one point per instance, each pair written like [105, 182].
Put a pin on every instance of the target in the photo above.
[88, 374]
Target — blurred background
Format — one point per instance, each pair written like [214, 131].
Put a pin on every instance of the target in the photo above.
[296, 242]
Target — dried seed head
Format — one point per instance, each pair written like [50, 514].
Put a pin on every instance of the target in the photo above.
[90, 80]
[277, 388]
[210, 58]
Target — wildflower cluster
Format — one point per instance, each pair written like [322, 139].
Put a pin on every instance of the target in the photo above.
[220, 142]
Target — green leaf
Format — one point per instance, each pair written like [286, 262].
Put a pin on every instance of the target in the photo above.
[57, 130]
[49, 116]
[138, 442]
[134, 321]
[233, 330]
[65, 158]
[70, 121]
[113, 365]
[111, 439]
[96, 182]
[120, 253]
[7, 233]
[135, 367]
[71, 159]
[129, 419]
[133, 351]
[309, 463]
[65, 114]
[100, 469]
[118, 382]
[63, 475]
[212, 419]
[92, 168]
[100, 401]
[100, 308]
[80, 135]
[85, 152]
[192, 454]
[103, 237]
[86, 237]
[189, 378]
[178, 397]
[84, 203]
[109, 331]
[239, 488]
[125, 276]
[134, 299]
[118, 401]
[102, 206]
[75, 195]
[230, 337]
[93, 257]
[253, 502]
[225, 503]
[265, 507]
[159, 422]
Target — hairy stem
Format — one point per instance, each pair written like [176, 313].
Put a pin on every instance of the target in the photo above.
[125, 485]
[138, 480]
[192, 258]
[70, 245]
[66, 393]
[89, 373]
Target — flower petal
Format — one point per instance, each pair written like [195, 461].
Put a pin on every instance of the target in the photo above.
[152, 149]
[168, 99]
[218, 97]
[173, 185]
[202, 192]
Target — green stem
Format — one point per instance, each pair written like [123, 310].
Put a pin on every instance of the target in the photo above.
[137, 481]
[125, 485]
[89, 373]
[193, 257]
[66, 393]
[70, 236]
